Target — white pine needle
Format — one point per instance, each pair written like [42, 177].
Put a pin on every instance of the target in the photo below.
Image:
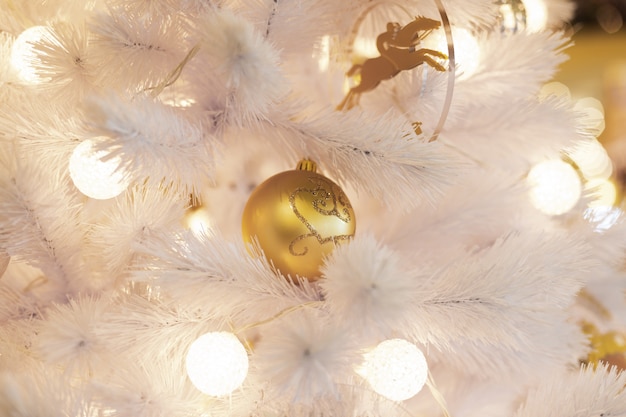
[305, 356]
[586, 393]
[155, 142]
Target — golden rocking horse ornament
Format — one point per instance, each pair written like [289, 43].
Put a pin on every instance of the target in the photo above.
[398, 52]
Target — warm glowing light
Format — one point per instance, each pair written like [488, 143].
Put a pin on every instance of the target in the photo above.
[593, 114]
[555, 88]
[592, 159]
[365, 47]
[601, 191]
[466, 49]
[23, 54]
[217, 363]
[176, 100]
[512, 16]
[536, 15]
[198, 220]
[323, 57]
[94, 175]
[555, 187]
[395, 369]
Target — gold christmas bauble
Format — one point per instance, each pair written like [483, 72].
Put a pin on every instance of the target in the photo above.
[298, 217]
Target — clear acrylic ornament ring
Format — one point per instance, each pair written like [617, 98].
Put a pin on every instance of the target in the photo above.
[451, 67]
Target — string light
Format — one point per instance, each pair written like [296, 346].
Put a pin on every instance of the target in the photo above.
[94, 175]
[395, 369]
[217, 363]
[23, 54]
[555, 187]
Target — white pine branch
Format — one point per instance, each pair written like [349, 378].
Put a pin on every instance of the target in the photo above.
[381, 157]
[533, 130]
[512, 67]
[483, 307]
[306, 355]
[155, 142]
[587, 393]
[236, 71]
[136, 51]
[39, 219]
[220, 278]
[63, 61]
[119, 228]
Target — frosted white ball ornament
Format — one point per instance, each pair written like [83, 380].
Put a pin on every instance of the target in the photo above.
[217, 363]
[94, 174]
[395, 369]
[24, 55]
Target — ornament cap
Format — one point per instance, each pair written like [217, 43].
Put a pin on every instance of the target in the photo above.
[307, 165]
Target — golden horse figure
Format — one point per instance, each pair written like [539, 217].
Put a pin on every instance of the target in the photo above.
[398, 52]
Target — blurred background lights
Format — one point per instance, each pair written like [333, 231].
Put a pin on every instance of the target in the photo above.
[217, 363]
[536, 15]
[198, 220]
[466, 49]
[601, 192]
[555, 187]
[512, 16]
[592, 159]
[94, 175]
[396, 369]
[323, 55]
[555, 88]
[592, 114]
[24, 56]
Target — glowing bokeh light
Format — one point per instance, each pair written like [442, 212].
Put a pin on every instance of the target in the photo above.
[601, 191]
[555, 187]
[395, 369]
[93, 176]
[536, 15]
[592, 114]
[198, 220]
[555, 88]
[592, 159]
[466, 50]
[24, 56]
[217, 363]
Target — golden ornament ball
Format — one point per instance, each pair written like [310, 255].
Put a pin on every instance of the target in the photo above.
[297, 217]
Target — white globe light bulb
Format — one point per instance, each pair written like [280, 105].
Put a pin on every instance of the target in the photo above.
[23, 54]
[94, 177]
[396, 369]
[555, 187]
[217, 363]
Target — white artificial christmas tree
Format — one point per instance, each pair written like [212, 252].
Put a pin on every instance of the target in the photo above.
[132, 133]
